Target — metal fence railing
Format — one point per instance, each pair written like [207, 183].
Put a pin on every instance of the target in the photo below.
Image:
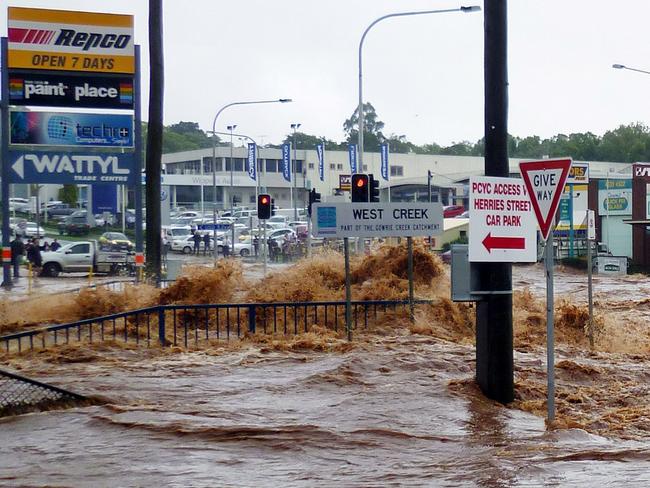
[188, 325]
[19, 394]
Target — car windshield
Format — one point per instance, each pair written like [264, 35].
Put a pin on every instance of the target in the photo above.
[180, 232]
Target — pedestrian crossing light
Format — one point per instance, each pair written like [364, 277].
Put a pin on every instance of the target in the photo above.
[264, 206]
[313, 198]
[360, 188]
[374, 189]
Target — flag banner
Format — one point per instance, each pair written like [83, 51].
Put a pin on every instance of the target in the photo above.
[352, 151]
[320, 150]
[286, 161]
[384, 161]
[252, 160]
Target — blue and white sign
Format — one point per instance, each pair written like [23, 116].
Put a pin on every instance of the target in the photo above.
[71, 129]
[286, 161]
[217, 227]
[320, 151]
[252, 160]
[352, 153]
[384, 161]
[71, 168]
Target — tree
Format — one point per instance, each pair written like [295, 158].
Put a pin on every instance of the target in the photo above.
[69, 194]
[372, 127]
[308, 141]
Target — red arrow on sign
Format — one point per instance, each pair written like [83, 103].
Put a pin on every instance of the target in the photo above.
[491, 242]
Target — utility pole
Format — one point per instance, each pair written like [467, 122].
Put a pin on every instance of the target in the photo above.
[154, 138]
[494, 350]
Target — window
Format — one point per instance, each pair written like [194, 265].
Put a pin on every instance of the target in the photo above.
[80, 249]
[397, 170]
[239, 164]
[339, 166]
[207, 165]
[332, 166]
[299, 166]
[463, 234]
[311, 165]
[271, 165]
[251, 198]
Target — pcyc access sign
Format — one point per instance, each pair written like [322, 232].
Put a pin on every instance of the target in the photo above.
[501, 221]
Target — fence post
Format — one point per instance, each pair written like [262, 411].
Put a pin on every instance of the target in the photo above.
[161, 326]
[251, 319]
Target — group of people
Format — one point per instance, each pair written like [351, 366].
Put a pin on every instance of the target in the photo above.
[32, 250]
[206, 239]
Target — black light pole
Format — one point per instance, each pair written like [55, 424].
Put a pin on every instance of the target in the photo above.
[429, 184]
[231, 128]
[494, 352]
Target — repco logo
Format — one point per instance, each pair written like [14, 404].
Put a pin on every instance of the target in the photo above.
[641, 171]
[88, 40]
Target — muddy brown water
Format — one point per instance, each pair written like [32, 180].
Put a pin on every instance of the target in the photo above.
[395, 410]
[382, 414]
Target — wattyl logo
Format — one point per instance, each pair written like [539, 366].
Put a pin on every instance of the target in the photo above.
[81, 164]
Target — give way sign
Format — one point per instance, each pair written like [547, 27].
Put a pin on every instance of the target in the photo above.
[545, 182]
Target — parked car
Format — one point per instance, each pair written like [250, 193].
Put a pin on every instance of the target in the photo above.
[84, 255]
[74, 225]
[451, 211]
[59, 212]
[186, 244]
[244, 248]
[115, 240]
[33, 230]
[278, 234]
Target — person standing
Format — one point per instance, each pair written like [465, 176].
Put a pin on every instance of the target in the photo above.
[206, 242]
[37, 258]
[17, 252]
[55, 245]
[197, 242]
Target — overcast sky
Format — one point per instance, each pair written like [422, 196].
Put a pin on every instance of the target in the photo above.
[423, 74]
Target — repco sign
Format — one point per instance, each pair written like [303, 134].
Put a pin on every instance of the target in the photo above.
[70, 41]
[641, 170]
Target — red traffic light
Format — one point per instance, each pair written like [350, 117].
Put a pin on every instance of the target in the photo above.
[361, 182]
[264, 200]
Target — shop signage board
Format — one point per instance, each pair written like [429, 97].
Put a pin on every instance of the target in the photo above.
[76, 167]
[70, 129]
[501, 221]
[60, 40]
[42, 89]
[377, 219]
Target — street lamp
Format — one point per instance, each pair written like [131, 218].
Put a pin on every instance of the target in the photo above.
[622, 66]
[214, 159]
[231, 192]
[474, 8]
[294, 189]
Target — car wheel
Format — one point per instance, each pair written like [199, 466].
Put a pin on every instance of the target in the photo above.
[187, 250]
[51, 269]
[244, 252]
[220, 249]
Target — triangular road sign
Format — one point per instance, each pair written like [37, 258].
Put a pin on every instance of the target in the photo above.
[545, 182]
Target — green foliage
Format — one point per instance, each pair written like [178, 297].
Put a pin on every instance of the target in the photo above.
[372, 127]
[183, 136]
[69, 194]
[461, 240]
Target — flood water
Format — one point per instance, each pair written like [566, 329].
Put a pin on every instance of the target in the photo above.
[395, 409]
[382, 414]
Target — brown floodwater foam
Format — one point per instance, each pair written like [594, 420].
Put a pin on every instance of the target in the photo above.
[601, 391]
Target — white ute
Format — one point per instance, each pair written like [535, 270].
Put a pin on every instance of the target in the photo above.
[83, 256]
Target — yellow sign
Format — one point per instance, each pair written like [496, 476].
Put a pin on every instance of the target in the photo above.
[70, 41]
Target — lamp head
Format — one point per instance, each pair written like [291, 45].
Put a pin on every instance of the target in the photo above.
[618, 66]
[472, 8]
[285, 100]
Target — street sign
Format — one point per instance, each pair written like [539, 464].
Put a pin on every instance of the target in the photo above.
[377, 219]
[501, 221]
[545, 182]
[71, 167]
[591, 225]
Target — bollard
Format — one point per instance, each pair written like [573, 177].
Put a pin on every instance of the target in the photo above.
[90, 275]
[251, 319]
[161, 326]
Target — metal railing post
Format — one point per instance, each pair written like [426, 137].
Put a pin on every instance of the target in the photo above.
[251, 319]
[161, 326]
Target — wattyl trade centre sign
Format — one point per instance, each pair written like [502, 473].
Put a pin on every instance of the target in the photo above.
[42, 89]
[377, 219]
[71, 129]
[501, 221]
[70, 41]
[71, 167]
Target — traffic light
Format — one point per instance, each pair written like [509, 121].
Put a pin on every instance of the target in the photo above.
[273, 207]
[374, 189]
[264, 206]
[360, 188]
[313, 198]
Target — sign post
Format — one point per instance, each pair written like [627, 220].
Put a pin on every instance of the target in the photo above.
[545, 182]
[4, 105]
[591, 237]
